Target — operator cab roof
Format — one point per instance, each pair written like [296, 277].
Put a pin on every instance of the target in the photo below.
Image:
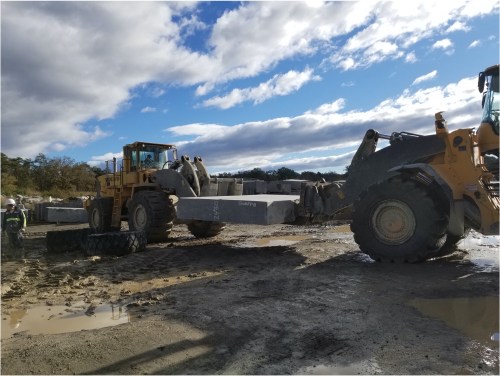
[142, 144]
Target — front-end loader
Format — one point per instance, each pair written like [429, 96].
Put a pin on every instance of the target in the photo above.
[416, 198]
[143, 191]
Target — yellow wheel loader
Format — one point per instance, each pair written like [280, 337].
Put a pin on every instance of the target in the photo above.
[414, 199]
[143, 190]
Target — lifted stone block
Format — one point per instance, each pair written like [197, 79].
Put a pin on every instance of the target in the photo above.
[246, 209]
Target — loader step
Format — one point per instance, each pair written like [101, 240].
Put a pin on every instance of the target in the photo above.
[246, 209]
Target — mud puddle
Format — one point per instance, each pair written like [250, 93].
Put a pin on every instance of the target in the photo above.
[343, 231]
[62, 319]
[476, 317]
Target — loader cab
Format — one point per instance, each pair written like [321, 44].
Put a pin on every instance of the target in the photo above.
[144, 155]
[491, 96]
[488, 131]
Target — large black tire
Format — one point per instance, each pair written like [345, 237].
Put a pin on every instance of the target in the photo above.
[450, 245]
[398, 221]
[152, 212]
[100, 212]
[205, 229]
[67, 240]
[116, 243]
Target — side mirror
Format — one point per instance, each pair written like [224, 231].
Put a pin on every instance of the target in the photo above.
[480, 82]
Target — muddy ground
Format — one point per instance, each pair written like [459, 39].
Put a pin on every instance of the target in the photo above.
[275, 299]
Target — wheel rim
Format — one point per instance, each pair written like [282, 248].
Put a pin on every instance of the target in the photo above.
[140, 217]
[393, 222]
[95, 218]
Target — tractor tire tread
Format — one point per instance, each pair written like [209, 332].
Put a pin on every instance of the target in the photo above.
[116, 243]
[162, 214]
[67, 240]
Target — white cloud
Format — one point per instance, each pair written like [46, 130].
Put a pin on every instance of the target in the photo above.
[100, 160]
[443, 44]
[458, 26]
[208, 130]
[278, 85]
[474, 44]
[189, 25]
[148, 109]
[328, 129]
[329, 108]
[157, 92]
[411, 57]
[347, 84]
[66, 65]
[393, 27]
[274, 31]
[425, 77]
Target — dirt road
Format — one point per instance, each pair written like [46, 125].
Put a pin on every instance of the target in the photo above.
[254, 300]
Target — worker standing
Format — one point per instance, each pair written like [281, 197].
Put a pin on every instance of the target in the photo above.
[14, 224]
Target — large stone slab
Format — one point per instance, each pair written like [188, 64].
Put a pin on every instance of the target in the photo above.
[68, 215]
[246, 209]
[41, 213]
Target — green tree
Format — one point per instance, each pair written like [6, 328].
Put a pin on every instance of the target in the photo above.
[309, 175]
[9, 184]
[83, 178]
[60, 175]
[284, 173]
[44, 174]
[16, 175]
[256, 173]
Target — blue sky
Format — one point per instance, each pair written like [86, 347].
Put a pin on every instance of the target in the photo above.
[243, 84]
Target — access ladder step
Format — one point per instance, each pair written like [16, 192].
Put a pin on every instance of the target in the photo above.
[117, 209]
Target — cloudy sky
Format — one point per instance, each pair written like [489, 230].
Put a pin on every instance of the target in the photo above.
[243, 84]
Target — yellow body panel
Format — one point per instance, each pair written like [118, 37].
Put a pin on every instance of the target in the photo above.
[463, 169]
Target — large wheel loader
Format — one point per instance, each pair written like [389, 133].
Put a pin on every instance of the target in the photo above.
[417, 197]
[145, 188]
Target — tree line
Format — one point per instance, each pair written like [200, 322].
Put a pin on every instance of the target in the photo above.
[58, 176]
[284, 173]
[64, 177]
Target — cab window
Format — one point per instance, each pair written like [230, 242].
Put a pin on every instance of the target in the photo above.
[491, 105]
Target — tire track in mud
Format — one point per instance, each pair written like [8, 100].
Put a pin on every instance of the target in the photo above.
[16, 280]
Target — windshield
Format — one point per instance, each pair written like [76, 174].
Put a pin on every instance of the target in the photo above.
[491, 107]
[153, 157]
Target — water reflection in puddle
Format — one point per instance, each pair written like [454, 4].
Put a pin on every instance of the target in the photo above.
[280, 240]
[62, 319]
[475, 317]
